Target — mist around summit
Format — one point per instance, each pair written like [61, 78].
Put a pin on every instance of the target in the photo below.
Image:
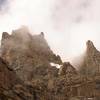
[64, 22]
[31, 70]
[49, 50]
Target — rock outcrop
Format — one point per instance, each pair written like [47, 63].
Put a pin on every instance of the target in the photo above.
[11, 87]
[26, 54]
[7, 77]
[67, 69]
[30, 58]
[91, 61]
[29, 70]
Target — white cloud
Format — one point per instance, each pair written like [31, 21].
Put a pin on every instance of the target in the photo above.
[67, 24]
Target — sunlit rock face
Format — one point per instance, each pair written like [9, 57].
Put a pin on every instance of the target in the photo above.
[91, 62]
[26, 53]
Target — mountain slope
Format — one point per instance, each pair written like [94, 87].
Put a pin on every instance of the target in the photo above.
[7, 77]
[91, 62]
[26, 53]
[30, 57]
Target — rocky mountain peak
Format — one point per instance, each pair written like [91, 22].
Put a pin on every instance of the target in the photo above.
[25, 52]
[89, 43]
[67, 69]
[5, 35]
[30, 70]
[42, 34]
[91, 61]
[91, 49]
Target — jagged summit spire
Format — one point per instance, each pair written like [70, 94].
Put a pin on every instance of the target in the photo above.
[42, 33]
[91, 61]
[89, 44]
[90, 47]
[5, 35]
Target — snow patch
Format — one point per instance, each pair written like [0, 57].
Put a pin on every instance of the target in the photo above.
[56, 65]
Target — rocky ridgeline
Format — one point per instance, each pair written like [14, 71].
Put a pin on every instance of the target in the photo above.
[91, 62]
[26, 54]
[28, 68]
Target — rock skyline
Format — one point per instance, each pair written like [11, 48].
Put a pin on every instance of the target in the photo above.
[29, 70]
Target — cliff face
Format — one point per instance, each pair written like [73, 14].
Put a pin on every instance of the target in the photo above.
[67, 69]
[26, 53]
[91, 62]
[33, 72]
[7, 77]
[30, 58]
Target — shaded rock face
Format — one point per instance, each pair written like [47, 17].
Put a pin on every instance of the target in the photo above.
[25, 53]
[7, 77]
[67, 69]
[91, 62]
[30, 57]
[11, 87]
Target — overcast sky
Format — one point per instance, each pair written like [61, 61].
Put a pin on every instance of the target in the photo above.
[67, 24]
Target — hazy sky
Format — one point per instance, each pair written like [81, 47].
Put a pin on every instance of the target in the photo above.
[67, 24]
